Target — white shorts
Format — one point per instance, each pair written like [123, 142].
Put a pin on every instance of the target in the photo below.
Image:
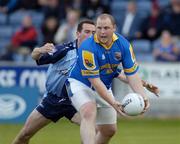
[82, 94]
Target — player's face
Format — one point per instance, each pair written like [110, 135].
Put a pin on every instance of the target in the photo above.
[87, 30]
[105, 30]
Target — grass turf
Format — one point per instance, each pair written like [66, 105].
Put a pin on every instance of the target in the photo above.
[134, 131]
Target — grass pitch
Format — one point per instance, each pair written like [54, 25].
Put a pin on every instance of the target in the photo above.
[134, 131]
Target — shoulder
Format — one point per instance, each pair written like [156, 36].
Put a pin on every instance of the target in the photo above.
[89, 41]
[122, 40]
[122, 43]
[88, 44]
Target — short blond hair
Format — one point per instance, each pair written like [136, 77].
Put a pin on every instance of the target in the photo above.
[104, 16]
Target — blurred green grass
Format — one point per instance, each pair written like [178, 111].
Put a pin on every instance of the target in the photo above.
[130, 131]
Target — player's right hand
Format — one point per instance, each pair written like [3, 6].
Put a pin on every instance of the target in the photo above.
[118, 107]
[47, 48]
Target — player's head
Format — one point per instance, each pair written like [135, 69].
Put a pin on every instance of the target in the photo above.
[85, 29]
[105, 27]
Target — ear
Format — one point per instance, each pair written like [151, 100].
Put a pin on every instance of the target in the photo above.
[114, 27]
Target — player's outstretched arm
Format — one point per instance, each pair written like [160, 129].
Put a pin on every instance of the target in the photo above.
[150, 87]
[37, 52]
[106, 95]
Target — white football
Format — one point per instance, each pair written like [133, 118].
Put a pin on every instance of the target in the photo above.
[133, 104]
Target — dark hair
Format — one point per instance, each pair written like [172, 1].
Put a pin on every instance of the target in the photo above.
[86, 21]
[104, 16]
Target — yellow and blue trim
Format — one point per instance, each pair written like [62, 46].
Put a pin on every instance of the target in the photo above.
[114, 38]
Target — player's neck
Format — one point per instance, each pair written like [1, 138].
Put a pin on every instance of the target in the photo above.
[109, 43]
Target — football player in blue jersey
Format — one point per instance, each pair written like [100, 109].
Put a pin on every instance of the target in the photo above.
[89, 84]
[55, 103]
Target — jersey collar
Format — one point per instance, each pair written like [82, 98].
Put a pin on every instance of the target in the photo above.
[114, 38]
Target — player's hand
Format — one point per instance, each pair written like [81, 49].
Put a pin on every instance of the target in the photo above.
[146, 105]
[118, 107]
[47, 48]
[152, 88]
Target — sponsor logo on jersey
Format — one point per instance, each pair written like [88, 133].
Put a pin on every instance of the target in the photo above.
[117, 56]
[88, 60]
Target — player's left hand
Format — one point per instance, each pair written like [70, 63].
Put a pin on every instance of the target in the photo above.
[152, 88]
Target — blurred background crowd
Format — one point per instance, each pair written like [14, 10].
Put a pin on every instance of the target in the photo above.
[152, 26]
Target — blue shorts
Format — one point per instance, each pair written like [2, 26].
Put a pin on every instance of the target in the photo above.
[53, 107]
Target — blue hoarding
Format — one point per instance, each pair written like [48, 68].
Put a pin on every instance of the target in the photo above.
[16, 103]
[21, 88]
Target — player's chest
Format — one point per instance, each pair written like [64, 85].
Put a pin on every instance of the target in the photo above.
[67, 61]
[108, 60]
[112, 56]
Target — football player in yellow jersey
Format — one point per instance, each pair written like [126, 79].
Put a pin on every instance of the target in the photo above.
[90, 81]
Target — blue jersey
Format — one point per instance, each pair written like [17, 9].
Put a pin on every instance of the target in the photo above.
[97, 60]
[61, 62]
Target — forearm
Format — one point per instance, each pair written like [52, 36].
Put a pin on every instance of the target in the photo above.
[136, 84]
[122, 77]
[102, 90]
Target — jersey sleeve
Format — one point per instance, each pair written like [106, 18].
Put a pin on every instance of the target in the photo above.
[129, 63]
[88, 61]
